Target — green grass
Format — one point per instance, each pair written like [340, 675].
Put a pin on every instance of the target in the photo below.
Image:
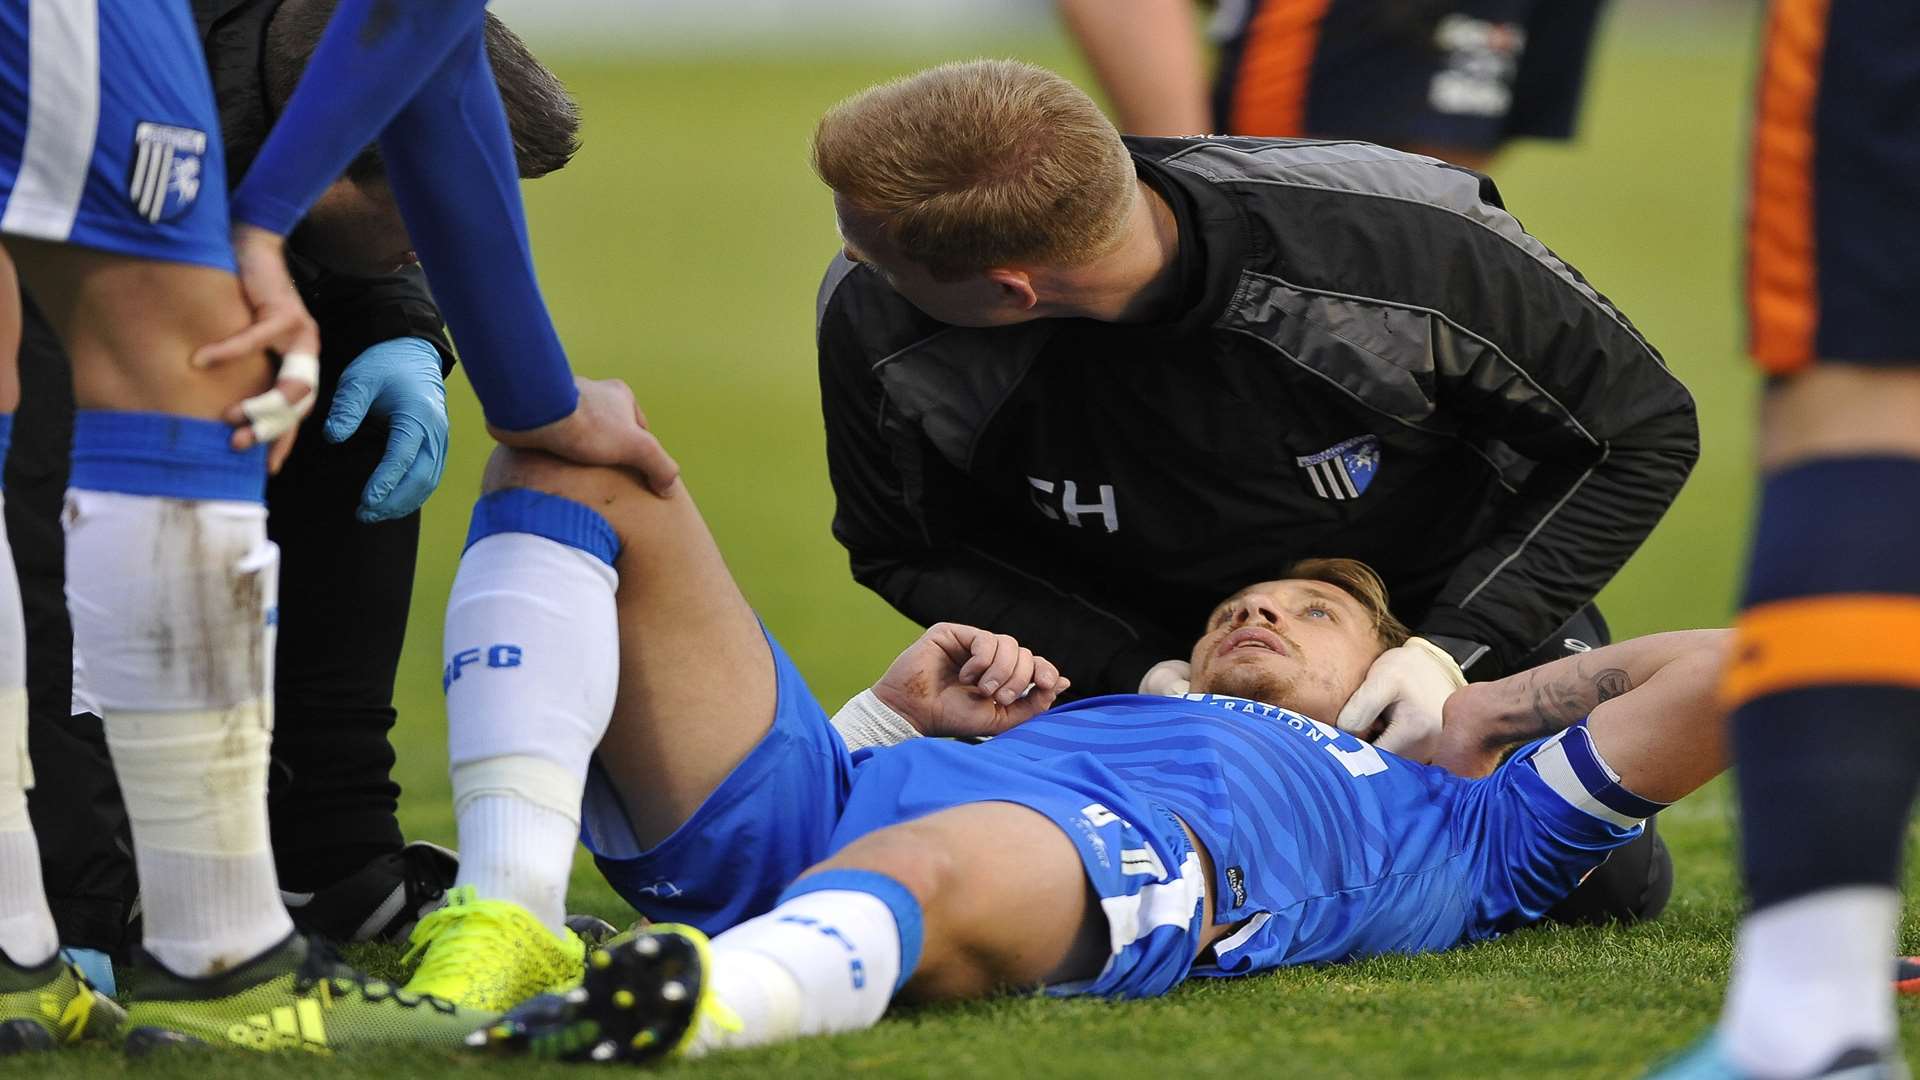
[682, 250]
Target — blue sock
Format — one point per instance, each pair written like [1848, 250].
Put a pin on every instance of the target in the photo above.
[1826, 678]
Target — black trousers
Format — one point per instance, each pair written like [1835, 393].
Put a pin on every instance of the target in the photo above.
[345, 591]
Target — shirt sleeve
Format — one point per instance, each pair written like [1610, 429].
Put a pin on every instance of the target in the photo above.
[1566, 381]
[894, 501]
[416, 76]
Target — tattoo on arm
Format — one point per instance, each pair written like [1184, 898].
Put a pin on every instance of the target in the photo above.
[1561, 701]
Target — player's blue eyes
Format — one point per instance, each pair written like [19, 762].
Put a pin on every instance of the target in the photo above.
[1325, 613]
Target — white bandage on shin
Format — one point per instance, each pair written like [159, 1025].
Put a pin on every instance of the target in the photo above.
[532, 664]
[172, 603]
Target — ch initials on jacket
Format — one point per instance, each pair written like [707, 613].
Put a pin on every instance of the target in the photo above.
[1061, 502]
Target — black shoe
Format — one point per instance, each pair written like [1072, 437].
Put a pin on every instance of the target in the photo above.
[382, 900]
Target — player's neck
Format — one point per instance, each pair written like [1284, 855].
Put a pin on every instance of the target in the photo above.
[1139, 280]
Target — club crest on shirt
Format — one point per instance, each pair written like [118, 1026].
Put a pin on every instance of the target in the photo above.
[1342, 471]
[167, 170]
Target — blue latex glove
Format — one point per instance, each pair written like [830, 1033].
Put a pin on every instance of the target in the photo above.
[399, 381]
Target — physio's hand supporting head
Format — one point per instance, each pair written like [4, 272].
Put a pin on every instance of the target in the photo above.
[606, 428]
[959, 681]
[1399, 705]
[397, 381]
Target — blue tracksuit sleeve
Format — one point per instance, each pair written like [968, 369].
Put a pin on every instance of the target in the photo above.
[415, 75]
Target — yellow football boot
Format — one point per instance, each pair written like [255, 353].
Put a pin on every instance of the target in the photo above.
[490, 955]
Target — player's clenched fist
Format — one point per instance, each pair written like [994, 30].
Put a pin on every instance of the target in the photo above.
[961, 681]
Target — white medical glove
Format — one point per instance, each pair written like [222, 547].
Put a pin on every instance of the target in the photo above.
[1168, 678]
[1406, 689]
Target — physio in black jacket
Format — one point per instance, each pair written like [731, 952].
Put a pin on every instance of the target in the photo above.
[344, 511]
[1079, 387]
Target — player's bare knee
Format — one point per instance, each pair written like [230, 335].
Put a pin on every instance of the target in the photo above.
[909, 854]
[591, 485]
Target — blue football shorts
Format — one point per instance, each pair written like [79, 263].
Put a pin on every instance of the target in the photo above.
[109, 138]
[771, 818]
[799, 796]
[1136, 856]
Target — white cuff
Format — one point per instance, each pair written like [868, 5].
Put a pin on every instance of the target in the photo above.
[1443, 658]
[866, 721]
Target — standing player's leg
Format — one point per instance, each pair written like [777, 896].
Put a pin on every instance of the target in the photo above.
[598, 648]
[31, 973]
[117, 220]
[1825, 679]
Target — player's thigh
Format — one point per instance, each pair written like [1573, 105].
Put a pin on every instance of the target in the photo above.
[1003, 896]
[698, 682]
[1834, 226]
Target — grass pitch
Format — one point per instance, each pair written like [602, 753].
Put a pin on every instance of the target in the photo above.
[681, 251]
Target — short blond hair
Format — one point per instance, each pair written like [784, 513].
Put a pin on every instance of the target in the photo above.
[1359, 581]
[980, 164]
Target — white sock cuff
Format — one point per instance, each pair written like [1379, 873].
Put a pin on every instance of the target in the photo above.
[546, 784]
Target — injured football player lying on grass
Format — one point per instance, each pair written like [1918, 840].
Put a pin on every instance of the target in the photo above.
[602, 662]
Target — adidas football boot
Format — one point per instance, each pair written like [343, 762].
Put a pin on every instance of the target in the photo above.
[643, 999]
[490, 954]
[295, 996]
[44, 1007]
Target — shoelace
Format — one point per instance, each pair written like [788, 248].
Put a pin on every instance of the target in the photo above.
[455, 950]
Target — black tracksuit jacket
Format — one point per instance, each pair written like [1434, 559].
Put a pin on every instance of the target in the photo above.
[1371, 359]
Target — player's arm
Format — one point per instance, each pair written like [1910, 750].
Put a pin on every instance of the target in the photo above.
[956, 681]
[1548, 367]
[1147, 55]
[417, 76]
[1663, 683]
[893, 499]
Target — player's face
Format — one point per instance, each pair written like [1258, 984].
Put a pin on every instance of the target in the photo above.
[355, 228]
[975, 300]
[1301, 645]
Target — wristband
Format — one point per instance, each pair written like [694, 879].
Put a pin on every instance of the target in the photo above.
[867, 721]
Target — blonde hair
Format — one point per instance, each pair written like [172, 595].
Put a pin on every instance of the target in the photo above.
[979, 164]
[1359, 581]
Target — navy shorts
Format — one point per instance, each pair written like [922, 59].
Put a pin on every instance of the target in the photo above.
[1468, 74]
[1833, 251]
[109, 138]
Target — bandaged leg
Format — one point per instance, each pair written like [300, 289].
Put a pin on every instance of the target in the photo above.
[26, 927]
[532, 664]
[171, 583]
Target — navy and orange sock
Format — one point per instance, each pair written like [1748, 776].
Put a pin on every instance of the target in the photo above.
[1825, 679]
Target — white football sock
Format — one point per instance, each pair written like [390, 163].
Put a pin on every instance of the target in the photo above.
[1812, 977]
[27, 935]
[172, 603]
[820, 963]
[532, 665]
[512, 848]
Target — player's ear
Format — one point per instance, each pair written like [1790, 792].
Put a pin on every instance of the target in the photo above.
[1015, 287]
